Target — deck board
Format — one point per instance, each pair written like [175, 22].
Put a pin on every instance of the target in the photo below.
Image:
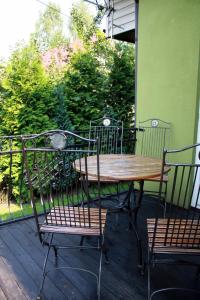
[38, 254]
[22, 255]
[9, 283]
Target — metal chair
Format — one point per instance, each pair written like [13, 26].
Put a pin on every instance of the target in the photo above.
[155, 135]
[54, 163]
[178, 234]
[109, 132]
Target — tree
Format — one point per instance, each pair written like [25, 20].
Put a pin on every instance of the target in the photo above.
[84, 89]
[62, 119]
[26, 105]
[49, 29]
[82, 23]
[121, 83]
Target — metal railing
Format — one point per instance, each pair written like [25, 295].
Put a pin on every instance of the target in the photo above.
[14, 198]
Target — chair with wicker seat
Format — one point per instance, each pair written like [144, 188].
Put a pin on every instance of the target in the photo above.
[54, 161]
[178, 234]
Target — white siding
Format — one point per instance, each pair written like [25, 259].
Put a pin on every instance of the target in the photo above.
[197, 160]
[122, 19]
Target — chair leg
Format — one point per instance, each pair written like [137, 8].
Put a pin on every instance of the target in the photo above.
[149, 276]
[117, 213]
[139, 249]
[101, 241]
[116, 220]
[55, 252]
[198, 272]
[81, 242]
[105, 252]
[165, 204]
[39, 297]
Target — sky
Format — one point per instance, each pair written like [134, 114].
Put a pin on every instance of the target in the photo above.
[18, 18]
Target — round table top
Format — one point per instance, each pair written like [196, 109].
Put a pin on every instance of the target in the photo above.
[123, 167]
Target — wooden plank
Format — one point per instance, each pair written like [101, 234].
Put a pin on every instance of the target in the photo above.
[9, 284]
[76, 215]
[25, 259]
[174, 221]
[79, 285]
[111, 280]
[123, 167]
[70, 230]
[123, 264]
[31, 244]
[24, 280]
[76, 258]
[2, 295]
[74, 220]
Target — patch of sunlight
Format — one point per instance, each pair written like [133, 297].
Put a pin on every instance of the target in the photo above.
[14, 211]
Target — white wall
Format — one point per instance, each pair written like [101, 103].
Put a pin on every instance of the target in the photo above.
[197, 160]
[122, 19]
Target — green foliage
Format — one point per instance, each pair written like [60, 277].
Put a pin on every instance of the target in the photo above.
[25, 107]
[96, 78]
[82, 24]
[62, 119]
[121, 83]
[25, 95]
[84, 89]
[49, 29]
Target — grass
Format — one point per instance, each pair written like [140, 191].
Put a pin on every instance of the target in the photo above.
[15, 211]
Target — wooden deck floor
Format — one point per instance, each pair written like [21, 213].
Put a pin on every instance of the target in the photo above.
[21, 260]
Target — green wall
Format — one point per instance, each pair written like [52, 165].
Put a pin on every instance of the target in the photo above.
[168, 62]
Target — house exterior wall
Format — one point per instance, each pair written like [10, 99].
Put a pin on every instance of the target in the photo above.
[122, 19]
[168, 66]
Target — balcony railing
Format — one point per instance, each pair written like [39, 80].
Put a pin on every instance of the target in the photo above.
[14, 197]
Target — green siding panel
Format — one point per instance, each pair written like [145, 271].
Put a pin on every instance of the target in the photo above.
[168, 79]
[168, 62]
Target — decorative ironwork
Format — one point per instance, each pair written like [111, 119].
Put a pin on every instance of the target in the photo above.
[154, 123]
[106, 122]
[178, 233]
[65, 203]
[110, 134]
[155, 137]
[58, 140]
[13, 187]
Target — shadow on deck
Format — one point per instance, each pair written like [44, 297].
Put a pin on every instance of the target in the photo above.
[21, 260]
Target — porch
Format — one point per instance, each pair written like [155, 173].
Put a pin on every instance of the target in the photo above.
[22, 259]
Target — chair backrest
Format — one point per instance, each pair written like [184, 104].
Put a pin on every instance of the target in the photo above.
[54, 162]
[181, 226]
[155, 136]
[110, 134]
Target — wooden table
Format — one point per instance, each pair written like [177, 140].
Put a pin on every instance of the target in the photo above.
[125, 167]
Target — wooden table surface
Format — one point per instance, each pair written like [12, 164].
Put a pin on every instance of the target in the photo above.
[123, 167]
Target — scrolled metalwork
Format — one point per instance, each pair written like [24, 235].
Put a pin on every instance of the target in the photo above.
[178, 232]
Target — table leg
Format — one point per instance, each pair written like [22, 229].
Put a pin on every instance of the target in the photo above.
[133, 222]
[139, 201]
